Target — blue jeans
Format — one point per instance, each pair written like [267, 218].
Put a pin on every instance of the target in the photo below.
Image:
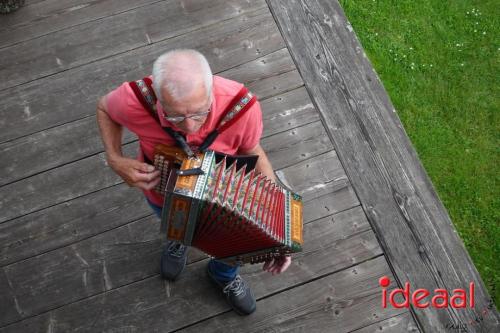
[221, 271]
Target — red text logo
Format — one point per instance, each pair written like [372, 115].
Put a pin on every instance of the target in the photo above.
[441, 298]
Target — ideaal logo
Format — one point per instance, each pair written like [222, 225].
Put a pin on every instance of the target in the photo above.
[459, 298]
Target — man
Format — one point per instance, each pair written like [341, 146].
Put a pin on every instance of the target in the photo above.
[190, 101]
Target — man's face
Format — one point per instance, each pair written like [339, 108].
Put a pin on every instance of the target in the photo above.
[194, 106]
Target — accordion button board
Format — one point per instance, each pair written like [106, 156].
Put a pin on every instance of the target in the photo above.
[230, 212]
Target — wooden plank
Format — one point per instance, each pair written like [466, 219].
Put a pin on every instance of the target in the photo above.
[32, 2]
[91, 174]
[338, 302]
[341, 199]
[106, 261]
[316, 176]
[337, 243]
[48, 228]
[274, 85]
[58, 185]
[36, 153]
[53, 15]
[119, 257]
[262, 68]
[286, 111]
[64, 49]
[295, 145]
[413, 226]
[69, 222]
[64, 223]
[38, 105]
[31, 155]
[397, 324]
[54, 147]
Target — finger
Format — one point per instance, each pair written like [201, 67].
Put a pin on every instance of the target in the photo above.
[285, 265]
[152, 175]
[144, 167]
[152, 184]
[145, 177]
[267, 264]
[273, 269]
[281, 265]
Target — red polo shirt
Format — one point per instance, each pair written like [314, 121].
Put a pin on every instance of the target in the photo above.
[124, 108]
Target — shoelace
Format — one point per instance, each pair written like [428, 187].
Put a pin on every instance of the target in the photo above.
[176, 250]
[237, 286]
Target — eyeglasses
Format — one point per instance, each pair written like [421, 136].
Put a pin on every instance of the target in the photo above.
[197, 116]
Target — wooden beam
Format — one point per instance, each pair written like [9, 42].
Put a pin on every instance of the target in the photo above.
[340, 302]
[73, 94]
[90, 214]
[88, 42]
[54, 15]
[397, 324]
[283, 112]
[410, 221]
[107, 266]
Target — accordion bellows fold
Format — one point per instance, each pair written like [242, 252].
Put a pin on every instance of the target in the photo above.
[231, 212]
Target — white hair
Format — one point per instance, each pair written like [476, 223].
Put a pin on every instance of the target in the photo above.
[178, 71]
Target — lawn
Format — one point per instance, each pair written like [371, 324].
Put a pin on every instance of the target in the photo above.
[439, 62]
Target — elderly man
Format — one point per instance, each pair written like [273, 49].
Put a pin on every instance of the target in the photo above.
[190, 101]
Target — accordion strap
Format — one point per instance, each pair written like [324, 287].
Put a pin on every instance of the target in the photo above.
[236, 109]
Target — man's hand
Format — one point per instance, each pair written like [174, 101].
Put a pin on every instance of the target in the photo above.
[135, 173]
[277, 265]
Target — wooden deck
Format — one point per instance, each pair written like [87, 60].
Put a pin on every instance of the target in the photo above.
[79, 250]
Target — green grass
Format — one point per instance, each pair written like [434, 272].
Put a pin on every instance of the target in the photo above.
[439, 62]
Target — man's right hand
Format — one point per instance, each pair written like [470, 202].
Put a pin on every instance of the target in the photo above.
[135, 173]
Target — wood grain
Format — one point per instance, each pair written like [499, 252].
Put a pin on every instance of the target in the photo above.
[79, 139]
[97, 265]
[116, 34]
[90, 214]
[91, 173]
[397, 324]
[298, 144]
[410, 221]
[53, 15]
[339, 302]
[73, 94]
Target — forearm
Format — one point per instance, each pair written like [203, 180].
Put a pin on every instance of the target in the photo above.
[111, 133]
[264, 166]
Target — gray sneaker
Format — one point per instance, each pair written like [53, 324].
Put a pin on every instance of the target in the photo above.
[173, 260]
[238, 294]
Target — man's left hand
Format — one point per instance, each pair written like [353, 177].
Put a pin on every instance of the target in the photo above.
[277, 265]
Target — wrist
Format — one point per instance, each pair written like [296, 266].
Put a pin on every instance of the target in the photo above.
[113, 159]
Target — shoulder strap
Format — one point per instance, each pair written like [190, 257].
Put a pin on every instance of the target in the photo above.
[240, 104]
[146, 95]
[144, 92]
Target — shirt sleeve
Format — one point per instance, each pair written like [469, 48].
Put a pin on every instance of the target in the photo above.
[118, 103]
[253, 127]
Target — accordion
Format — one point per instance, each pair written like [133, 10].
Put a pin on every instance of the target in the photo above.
[219, 204]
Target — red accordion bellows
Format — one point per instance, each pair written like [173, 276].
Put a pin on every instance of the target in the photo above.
[230, 212]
